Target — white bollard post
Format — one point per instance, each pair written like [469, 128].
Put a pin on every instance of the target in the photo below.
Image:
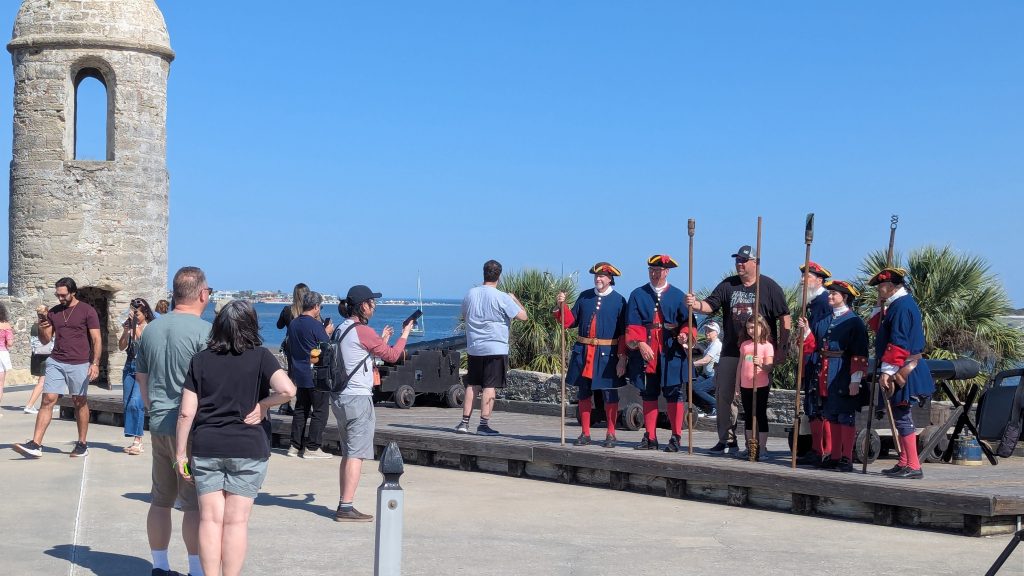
[390, 506]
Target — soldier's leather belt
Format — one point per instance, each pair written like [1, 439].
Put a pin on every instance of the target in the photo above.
[655, 325]
[597, 341]
[832, 353]
[904, 372]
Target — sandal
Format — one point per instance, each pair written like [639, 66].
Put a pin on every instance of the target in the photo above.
[134, 449]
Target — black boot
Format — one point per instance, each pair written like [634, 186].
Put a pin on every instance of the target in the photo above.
[647, 444]
[810, 458]
[909, 473]
[844, 465]
[583, 440]
[609, 442]
[673, 444]
[896, 469]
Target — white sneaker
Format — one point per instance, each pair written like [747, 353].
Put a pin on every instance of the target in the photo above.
[30, 410]
[293, 452]
[312, 454]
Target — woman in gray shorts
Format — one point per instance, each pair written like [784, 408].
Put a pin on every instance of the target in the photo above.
[228, 391]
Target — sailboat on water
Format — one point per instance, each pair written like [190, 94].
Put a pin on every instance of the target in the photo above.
[419, 328]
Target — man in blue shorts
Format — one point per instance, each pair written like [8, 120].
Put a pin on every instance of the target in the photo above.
[489, 313]
[68, 370]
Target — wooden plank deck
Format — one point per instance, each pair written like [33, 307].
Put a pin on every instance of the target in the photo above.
[972, 500]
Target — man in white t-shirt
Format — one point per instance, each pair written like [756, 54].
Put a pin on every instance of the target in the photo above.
[488, 314]
[704, 387]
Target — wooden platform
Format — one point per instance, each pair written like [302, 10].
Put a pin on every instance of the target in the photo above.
[970, 500]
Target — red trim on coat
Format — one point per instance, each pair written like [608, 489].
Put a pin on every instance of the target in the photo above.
[565, 315]
[858, 364]
[895, 355]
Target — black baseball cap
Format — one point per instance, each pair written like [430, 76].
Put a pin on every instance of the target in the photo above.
[746, 252]
[359, 294]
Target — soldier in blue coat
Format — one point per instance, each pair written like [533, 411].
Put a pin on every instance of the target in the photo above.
[840, 345]
[905, 380]
[655, 319]
[599, 355]
[813, 278]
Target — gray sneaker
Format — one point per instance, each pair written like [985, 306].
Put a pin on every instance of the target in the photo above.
[80, 450]
[314, 454]
[29, 449]
[351, 515]
[462, 428]
[485, 430]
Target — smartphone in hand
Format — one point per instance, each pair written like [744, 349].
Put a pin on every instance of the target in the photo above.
[412, 318]
[327, 321]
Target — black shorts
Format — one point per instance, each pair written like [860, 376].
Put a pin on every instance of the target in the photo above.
[487, 371]
[37, 364]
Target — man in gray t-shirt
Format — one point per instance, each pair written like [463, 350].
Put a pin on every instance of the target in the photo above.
[488, 313]
[165, 352]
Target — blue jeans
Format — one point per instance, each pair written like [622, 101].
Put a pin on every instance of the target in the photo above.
[704, 388]
[134, 412]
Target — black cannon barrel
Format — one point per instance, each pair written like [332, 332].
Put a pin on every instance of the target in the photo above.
[451, 343]
[956, 369]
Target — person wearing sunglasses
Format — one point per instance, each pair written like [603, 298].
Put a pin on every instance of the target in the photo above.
[734, 297]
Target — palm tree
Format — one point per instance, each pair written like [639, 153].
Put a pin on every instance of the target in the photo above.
[534, 344]
[961, 304]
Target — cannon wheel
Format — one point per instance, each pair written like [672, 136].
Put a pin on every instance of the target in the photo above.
[873, 451]
[633, 416]
[404, 397]
[455, 396]
[940, 446]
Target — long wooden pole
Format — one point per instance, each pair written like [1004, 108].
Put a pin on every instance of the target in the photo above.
[808, 238]
[690, 225]
[878, 369]
[753, 446]
[561, 361]
[878, 361]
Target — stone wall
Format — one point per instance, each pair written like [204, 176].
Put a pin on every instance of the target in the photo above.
[102, 222]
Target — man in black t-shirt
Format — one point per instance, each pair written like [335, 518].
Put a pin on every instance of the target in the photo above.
[734, 296]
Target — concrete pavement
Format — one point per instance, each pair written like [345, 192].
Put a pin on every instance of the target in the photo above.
[87, 516]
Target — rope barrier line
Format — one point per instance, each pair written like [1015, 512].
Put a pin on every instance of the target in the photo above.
[78, 517]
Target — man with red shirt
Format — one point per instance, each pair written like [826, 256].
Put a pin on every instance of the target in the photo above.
[68, 370]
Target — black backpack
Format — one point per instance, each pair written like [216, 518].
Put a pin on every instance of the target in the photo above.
[329, 374]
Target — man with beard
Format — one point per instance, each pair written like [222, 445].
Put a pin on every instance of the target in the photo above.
[734, 296]
[599, 355]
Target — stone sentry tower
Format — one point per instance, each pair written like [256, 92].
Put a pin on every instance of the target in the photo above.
[101, 222]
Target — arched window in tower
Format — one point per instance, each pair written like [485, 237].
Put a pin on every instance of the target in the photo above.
[93, 123]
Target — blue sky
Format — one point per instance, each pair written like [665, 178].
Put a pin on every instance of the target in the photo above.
[336, 142]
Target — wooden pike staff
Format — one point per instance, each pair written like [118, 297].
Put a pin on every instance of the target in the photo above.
[561, 360]
[753, 447]
[878, 368]
[808, 238]
[690, 225]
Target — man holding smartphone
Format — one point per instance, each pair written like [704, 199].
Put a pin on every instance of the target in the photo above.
[312, 405]
[75, 361]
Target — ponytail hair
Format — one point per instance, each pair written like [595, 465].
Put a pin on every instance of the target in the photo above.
[347, 310]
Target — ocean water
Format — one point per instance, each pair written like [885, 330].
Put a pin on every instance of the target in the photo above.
[439, 320]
